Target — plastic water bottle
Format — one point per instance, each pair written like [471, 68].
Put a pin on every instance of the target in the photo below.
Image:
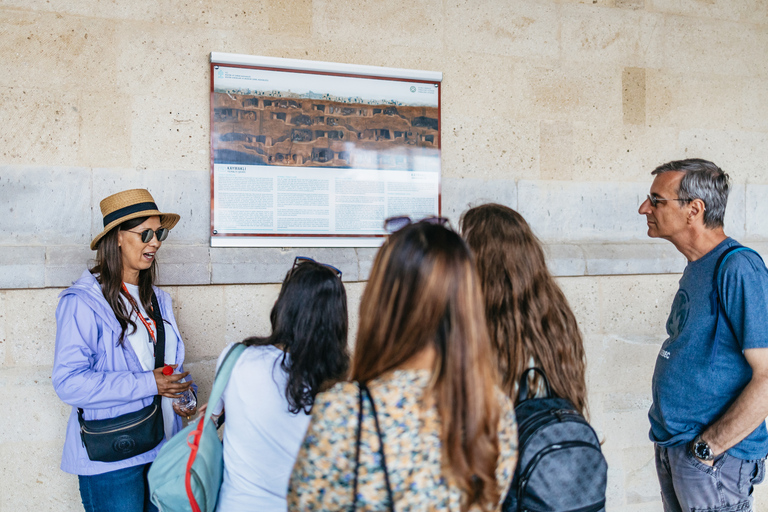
[186, 401]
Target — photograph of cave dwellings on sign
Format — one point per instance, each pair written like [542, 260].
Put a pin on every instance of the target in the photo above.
[300, 130]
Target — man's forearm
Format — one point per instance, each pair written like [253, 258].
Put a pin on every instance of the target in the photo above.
[747, 413]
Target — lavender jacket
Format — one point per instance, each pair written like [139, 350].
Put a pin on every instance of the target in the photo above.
[91, 370]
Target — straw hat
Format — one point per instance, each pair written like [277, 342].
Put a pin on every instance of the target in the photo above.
[130, 204]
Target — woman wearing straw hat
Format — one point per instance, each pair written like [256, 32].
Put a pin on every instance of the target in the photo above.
[118, 351]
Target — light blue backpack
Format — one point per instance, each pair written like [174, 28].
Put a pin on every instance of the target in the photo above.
[186, 475]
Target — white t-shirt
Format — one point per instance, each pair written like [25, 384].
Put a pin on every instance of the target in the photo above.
[144, 347]
[261, 437]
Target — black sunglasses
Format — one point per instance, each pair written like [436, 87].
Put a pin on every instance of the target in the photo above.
[147, 234]
[301, 259]
[393, 224]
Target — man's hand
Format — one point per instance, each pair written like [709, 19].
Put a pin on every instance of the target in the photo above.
[748, 411]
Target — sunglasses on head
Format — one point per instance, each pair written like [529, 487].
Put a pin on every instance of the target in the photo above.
[301, 259]
[148, 234]
[393, 224]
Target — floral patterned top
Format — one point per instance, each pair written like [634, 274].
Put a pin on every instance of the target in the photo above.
[323, 475]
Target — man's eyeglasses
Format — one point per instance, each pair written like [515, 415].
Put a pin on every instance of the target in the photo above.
[147, 234]
[393, 224]
[301, 259]
[656, 200]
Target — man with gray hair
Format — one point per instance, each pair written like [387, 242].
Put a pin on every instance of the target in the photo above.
[710, 384]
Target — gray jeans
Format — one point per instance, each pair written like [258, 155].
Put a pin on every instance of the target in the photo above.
[688, 485]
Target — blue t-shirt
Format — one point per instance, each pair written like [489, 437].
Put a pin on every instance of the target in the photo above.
[691, 390]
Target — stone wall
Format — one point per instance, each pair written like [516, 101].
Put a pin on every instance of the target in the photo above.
[558, 108]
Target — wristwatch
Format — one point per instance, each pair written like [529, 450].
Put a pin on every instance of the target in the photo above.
[701, 449]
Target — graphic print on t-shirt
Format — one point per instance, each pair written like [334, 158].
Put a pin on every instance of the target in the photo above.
[676, 321]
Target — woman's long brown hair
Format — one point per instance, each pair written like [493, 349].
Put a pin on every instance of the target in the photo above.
[528, 315]
[109, 273]
[423, 291]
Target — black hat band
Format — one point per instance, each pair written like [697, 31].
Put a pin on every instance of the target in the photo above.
[123, 212]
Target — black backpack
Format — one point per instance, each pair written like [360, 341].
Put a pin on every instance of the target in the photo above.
[560, 467]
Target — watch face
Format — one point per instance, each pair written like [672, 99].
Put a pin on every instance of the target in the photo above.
[702, 451]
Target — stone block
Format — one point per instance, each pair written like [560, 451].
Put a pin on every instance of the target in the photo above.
[43, 206]
[187, 193]
[247, 311]
[354, 296]
[636, 307]
[641, 484]
[252, 265]
[202, 319]
[203, 373]
[105, 129]
[365, 259]
[752, 11]
[732, 48]
[489, 148]
[269, 265]
[484, 76]
[556, 150]
[735, 212]
[626, 429]
[565, 259]
[633, 258]
[618, 153]
[619, 365]
[3, 338]
[626, 36]
[757, 211]
[742, 154]
[166, 61]
[292, 18]
[525, 29]
[58, 57]
[408, 24]
[31, 342]
[583, 294]
[31, 478]
[496, 148]
[171, 132]
[570, 91]
[50, 122]
[183, 265]
[65, 263]
[633, 95]
[761, 497]
[563, 211]
[33, 410]
[699, 101]
[461, 194]
[22, 267]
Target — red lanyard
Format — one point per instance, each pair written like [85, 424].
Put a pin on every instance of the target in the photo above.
[135, 307]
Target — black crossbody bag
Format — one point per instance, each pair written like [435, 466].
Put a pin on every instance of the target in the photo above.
[132, 434]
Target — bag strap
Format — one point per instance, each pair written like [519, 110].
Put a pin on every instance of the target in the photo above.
[160, 326]
[522, 387]
[219, 385]
[715, 299]
[364, 391]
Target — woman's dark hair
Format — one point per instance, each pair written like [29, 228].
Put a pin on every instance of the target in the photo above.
[109, 273]
[529, 318]
[309, 322]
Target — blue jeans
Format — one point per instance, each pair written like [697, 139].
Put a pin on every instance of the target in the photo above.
[123, 490]
[689, 485]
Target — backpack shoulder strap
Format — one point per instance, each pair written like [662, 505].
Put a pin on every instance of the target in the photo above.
[716, 298]
[222, 377]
